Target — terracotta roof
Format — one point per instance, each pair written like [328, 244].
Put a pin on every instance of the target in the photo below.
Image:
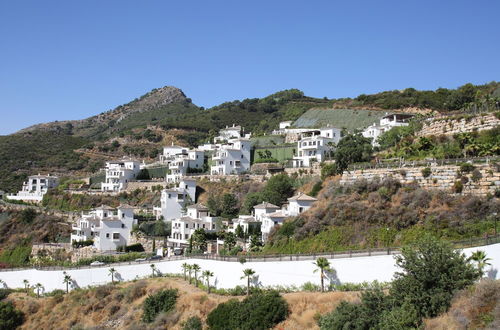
[104, 207]
[125, 206]
[302, 197]
[266, 205]
[199, 207]
[277, 214]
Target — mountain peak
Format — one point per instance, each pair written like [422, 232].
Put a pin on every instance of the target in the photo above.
[159, 97]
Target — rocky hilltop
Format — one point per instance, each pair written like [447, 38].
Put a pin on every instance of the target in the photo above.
[156, 98]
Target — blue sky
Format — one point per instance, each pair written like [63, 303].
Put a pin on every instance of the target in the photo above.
[73, 59]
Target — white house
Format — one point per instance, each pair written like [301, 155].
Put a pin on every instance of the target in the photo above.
[180, 160]
[109, 228]
[246, 222]
[316, 145]
[232, 157]
[282, 127]
[230, 133]
[35, 188]
[118, 174]
[272, 216]
[173, 199]
[196, 217]
[386, 123]
[299, 203]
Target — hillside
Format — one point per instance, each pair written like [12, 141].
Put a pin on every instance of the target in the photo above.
[120, 306]
[165, 115]
[380, 214]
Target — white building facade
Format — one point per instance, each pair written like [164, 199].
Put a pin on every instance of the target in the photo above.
[196, 217]
[109, 228]
[272, 216]
[386, 123]
[180, 160]
[35, 188]
[316, 146]
[173, 200]
[118, 174]
[231, 158]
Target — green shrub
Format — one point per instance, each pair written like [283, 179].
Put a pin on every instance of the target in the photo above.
[466, 167]
[79, 244]
[426, 172]
[193, 323]
[258, 311]
[328, 170]
[4, 293]
[432, 272]
[316, 188]
[137, 247]
[458, 187]
[28, 215]
[10, 317]
[162, 301]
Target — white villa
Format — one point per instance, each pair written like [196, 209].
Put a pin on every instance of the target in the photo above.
[271, 215]
[118, 174]
[173, 200]
[230, 133]
[245, 222]
[180, 159]
[282, 127]
[232, 157]
[196, 217]
[386, 123]
[35, 188]
[315, 145]
[109, 228]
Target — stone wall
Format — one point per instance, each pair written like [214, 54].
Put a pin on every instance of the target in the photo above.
[133, 185]
[459, 124]
[441, 177]
[147, 242]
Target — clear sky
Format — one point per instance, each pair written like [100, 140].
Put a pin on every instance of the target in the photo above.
[73, 59]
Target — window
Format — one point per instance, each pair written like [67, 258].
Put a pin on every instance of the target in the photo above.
[116, 236]
[123, 225]
[107, 235]
[123, 216]
[213, 226]
[203, 226]
[186, 236]
[230, 162]
[241, 156]
[301, 209]
[187, 225]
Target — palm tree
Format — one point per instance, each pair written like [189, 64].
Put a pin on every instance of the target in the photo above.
[112, 272]
[67, 280]
[153, 269]
[479, 257]
[190, 270]
[38, 287]
[323, 265]
[207, 274]
[248, 273]
[26, 285]
[184, 267]
[196, 269]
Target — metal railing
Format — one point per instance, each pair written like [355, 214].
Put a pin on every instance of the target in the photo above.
[468, 243]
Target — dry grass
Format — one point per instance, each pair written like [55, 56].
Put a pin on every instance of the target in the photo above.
[475, 308]
[305, 307]
[120, 306]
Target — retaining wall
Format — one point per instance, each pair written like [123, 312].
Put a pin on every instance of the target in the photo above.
[227, 274]
[441, 177]
[451, 125]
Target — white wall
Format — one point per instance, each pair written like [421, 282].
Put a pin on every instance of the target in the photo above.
[227, 274]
